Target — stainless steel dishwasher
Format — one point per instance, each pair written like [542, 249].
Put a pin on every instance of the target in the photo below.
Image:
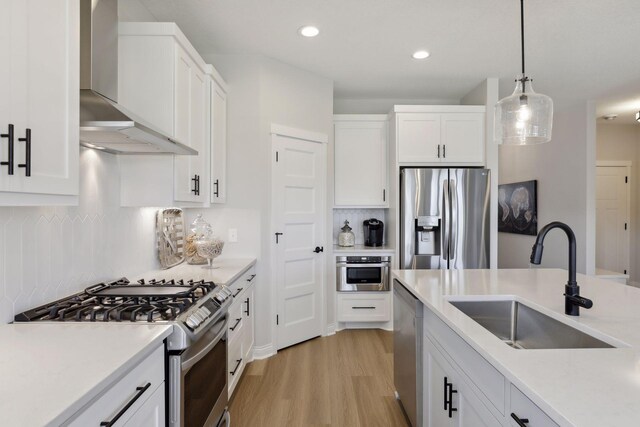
[407, 352]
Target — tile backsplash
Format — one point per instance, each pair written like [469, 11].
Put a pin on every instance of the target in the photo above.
[356, 217]
[49, 252]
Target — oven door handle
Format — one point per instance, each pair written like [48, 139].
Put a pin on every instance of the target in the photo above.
[344, 264]
[187, 364]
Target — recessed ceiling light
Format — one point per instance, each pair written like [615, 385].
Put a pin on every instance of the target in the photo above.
[309, 31]
[610, 117]
[421, 54]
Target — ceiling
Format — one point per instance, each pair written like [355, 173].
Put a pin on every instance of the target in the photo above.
[575, 50]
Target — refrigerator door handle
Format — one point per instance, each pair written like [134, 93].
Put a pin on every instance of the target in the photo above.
[445, 220]
[454, 209]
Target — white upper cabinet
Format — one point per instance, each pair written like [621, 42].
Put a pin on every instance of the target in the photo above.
[218, 132]
[454, 135]
[419, 137]
[361, 161]
[191, 124]
[165, 82]
[39, 97]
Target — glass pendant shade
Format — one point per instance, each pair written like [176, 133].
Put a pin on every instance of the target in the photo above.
[524, 117]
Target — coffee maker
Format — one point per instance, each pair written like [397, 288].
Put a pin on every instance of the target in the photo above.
[373, 232]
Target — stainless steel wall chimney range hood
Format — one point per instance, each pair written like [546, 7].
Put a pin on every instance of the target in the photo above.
[104, 124]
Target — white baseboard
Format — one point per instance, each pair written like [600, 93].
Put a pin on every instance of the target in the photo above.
[264, 351]
[331, 328]
[387, 326]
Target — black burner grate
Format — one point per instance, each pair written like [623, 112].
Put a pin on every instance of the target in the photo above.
[121, 300]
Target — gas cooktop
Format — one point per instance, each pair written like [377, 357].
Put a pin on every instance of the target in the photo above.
[192, 306]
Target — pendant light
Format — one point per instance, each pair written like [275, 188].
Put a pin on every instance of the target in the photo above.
[524, 117]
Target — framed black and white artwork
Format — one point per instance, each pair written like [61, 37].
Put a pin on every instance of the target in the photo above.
[517, 208]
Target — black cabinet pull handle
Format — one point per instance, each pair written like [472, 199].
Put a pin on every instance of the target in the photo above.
[278, 236]
[448, 397]
[444, 151]
[216, 186]
[247, 310]
[140, 392]
[384, 195]
[238, 362]
[363, 308]
[237, 292]
[451, 408]
[196, 185]
[438, 150]
[9, 136]
[318, 249]
[446, 394]
[522, 422]
[251, 278]
[27, 149]
[233, 328]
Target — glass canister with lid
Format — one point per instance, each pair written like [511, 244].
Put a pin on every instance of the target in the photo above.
[199, 230]
[346, 237]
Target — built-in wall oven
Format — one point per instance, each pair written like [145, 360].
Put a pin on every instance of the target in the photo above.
[362, 273]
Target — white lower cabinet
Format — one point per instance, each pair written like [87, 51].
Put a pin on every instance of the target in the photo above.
[240, 332]
[151, 413]
[461, 388]
[527, 412]
[449, 401]
[135, 400]
[364, 307]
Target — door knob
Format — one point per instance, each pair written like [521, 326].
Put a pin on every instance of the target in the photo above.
[318, 249]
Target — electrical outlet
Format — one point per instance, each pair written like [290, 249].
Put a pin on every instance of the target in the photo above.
[233, 235]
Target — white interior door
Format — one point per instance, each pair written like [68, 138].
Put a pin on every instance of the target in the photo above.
[298, 196]
[612, 218]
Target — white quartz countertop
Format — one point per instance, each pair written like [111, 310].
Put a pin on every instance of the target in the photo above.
[48, 371]
[362, 249]
[228, 271]
[576, 387]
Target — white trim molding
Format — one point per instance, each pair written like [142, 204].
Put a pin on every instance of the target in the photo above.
[614, 163]
[264, 351]
[331, 329]
[305, 135]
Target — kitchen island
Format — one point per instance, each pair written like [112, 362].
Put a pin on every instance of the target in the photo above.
[573, 387]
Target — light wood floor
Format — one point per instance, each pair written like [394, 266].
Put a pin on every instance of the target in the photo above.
[341, 380]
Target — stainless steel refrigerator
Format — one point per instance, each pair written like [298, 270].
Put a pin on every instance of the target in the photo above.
[444, 218]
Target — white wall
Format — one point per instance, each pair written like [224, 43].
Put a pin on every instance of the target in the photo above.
[262, 91]
[134, 11]
[565, 172]
[622, 142]
[382, 105]
[50, 252]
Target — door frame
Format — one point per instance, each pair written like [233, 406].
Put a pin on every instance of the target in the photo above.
[313, 137]
[629, 166]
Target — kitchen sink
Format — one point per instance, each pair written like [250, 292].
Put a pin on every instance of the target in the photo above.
[522, 327]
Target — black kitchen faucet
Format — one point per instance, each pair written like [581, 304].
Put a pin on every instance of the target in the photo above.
[572, 299]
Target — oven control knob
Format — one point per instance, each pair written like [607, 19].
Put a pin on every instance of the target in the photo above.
[198, 316]
[192, 322]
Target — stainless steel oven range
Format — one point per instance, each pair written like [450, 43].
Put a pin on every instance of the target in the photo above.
[196, 349]
[362, 273]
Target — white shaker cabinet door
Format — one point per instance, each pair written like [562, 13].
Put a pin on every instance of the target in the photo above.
[462, 137]
[151, 413]
[218, 184]
[419, 138]
[361, 167]
[191, 120]
[39, 92]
